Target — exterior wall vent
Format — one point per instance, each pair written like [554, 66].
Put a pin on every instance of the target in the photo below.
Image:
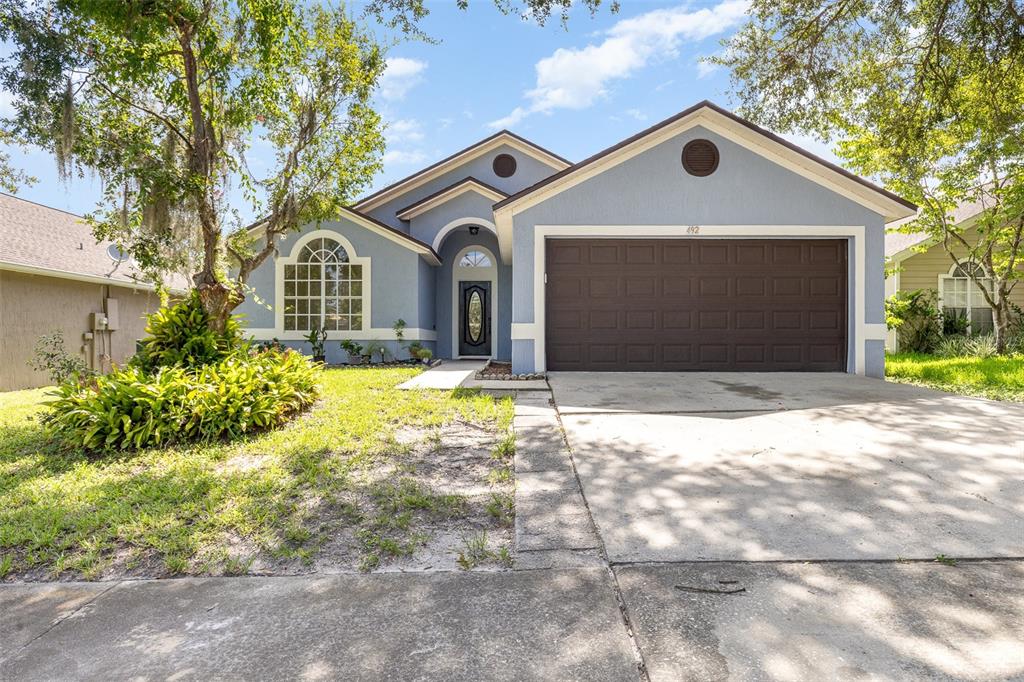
[700, 157]
[504, 165]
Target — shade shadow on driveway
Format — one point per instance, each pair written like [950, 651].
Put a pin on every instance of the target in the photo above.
[755, 467]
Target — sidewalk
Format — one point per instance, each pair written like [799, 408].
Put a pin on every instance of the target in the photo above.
[512, 625]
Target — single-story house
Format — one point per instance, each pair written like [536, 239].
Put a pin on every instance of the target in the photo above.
[54, 276]
[701, 243]
[916, 261]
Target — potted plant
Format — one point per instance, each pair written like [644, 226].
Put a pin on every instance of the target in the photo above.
[316, 337]
[424, 355]
[354, 350]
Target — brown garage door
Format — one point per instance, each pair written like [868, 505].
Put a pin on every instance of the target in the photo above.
[696, 304]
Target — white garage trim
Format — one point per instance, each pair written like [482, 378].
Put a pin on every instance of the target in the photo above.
[858, 333]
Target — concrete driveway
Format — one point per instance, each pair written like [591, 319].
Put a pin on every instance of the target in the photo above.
[756, 467]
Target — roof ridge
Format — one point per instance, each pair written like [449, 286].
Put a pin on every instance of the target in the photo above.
[703, 104]
[454, 155]
[446, 188]
[36, 203]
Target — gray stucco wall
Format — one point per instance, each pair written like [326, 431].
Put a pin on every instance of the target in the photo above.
[653, 189]
[502, 332]
[463, 207]
[528, 171]
[402, 283]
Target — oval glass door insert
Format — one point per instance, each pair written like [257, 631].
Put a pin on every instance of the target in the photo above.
[475, 321]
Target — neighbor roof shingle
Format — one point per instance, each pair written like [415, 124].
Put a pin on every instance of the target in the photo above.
[37, 236]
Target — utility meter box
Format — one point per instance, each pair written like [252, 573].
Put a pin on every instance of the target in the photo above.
[113, 321]
[99, 322]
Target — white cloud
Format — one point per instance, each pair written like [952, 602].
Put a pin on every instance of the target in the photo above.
[705, 69]
[401, 75]
[574, 78]
[403, 130]
[636, 114]
[398, 157]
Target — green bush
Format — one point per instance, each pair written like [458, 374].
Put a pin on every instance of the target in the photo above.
[916, 318]
[131, 408]
[980, 346]
[180, 336]
[51, 356]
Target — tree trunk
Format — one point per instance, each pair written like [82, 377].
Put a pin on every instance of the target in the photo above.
[1001, 323]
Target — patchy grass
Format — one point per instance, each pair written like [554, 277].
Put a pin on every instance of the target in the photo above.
[213, 509]
[998, 378]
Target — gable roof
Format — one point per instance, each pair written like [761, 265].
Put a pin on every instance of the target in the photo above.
[41, 240]
[397, 236]
[374, 225]
[902, 245]
[448, 193]
[474, 150]
[729, 125]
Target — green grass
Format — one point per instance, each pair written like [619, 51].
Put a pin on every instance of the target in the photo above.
[182, 509]
[998, 378]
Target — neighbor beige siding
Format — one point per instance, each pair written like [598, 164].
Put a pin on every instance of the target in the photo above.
[34, 305]
[922, 270]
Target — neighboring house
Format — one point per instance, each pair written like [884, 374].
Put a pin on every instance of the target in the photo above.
[918, 261]
[55, 276]
[701, 243]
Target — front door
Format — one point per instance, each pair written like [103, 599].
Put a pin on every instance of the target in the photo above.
[475, 318]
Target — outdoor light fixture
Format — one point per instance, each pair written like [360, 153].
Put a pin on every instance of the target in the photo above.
[474, 230]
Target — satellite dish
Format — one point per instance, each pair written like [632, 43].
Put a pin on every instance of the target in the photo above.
[116, 254]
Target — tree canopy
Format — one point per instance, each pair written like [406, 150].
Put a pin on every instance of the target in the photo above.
[924, 94]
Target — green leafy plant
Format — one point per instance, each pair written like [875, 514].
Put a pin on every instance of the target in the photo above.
[130, 408]
[955, 324]
[375, 349]
[418, 351]
[51, 356]
[399, 328]
[317, 337]
[354, 350]
[181, 336]
[915, 317]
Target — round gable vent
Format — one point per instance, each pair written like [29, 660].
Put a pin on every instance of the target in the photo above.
[504, 165]
[700, 157]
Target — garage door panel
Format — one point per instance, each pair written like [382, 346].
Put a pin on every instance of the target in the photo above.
[696, 304]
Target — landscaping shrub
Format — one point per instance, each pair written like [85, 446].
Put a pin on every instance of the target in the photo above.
[51, 356]
[916, 318]
[981, 346]
[180, 336]
[131, 408]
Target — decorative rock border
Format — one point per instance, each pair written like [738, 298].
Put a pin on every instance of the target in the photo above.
[481, 375]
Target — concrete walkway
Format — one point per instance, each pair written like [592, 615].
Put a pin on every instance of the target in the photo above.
[448, 375]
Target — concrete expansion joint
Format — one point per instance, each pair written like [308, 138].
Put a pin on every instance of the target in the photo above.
[613, 580]
[80, 609]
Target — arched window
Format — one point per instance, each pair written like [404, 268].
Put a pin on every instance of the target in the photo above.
[322, 289]
[961, 296]
[475, 259]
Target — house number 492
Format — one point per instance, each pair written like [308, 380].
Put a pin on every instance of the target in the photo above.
[693, 229]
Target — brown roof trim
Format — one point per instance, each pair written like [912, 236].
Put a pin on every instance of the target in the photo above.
[682, 114]
[462, 151]
[397, 232]
[434, 195]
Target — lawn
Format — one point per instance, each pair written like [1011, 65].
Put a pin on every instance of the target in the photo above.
[362, 479]
[998, 378]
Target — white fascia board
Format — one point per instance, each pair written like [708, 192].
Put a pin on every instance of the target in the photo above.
[457, 191]
[415, 181]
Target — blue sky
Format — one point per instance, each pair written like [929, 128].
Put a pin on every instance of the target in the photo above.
[574, 91]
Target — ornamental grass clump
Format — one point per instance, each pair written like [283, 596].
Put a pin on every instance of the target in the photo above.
[186, 385]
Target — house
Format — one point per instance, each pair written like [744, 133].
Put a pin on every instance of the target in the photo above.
[916, 261]
[701, 243]
[54, 276]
